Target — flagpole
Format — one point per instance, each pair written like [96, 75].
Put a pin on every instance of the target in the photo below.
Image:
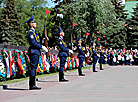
[73, 24]
[71, 37]
[45, 33]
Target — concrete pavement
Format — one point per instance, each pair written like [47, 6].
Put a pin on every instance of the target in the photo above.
[114, 84]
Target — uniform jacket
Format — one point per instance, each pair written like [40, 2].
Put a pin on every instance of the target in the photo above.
[94, 52]
[80, 51]
[101, 53]
[34, 42]
[63, 52]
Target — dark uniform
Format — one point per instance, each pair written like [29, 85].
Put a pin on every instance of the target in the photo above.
[101, 59]
[111, 58]
[34, 53]
[81, 56]
[95, 58]
[63, 54]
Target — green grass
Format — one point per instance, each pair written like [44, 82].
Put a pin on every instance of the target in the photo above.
[38, 76]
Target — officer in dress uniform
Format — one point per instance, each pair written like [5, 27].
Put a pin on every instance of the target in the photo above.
[95, 58]
[101, 57]
[81, 56]
[33, 52]
[63, 54]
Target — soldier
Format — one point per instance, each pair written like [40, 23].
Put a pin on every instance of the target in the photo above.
[95, 58]
[101, 57]
[63, 54]
[33, 52]
[81, 56]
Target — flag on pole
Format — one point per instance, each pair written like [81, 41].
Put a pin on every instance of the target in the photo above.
[105, 42]
[47, 11]
[87, 33]
[74, 24]
[98, 39]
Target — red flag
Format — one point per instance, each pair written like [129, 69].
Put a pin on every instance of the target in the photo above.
[47, 11]
[98, 39]
[74, 24]
[105, 42]
[87, 33]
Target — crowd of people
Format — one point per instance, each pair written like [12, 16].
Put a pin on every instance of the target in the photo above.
[116, 57]
[112, 57]
[122, 57]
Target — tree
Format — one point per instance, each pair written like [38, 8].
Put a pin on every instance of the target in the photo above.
[132, 27]
[118, 36]
[10, 24]
[13, 30]
[93, 16]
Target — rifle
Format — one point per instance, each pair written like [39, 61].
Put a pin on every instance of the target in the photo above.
[72, 37]
[45, 33]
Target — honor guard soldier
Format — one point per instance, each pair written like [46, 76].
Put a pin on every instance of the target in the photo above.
[33, 52]
[81, 56]
[95, 58]
[63, 54]
[101, 57]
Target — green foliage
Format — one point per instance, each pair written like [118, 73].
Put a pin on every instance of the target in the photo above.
[132, 35]
[14, 13]
[104, 19]
[117, 36]
[92, 16]
[8, 22]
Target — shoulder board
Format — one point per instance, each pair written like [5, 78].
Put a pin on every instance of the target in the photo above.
[59, 38]
[30, 31]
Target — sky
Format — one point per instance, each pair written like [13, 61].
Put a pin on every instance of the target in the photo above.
[50, 3]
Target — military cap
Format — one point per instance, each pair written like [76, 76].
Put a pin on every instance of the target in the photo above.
[31, 19]
[99, 44]
[60, 30]
[78, 39]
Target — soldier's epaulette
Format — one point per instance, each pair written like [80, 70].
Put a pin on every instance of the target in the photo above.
[59, 38]
[30, 31]
[36, 37]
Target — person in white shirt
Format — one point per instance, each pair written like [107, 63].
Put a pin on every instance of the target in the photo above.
[131, 58]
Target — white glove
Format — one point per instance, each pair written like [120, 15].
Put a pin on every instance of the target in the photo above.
[98, 55]
[44, 48]
[71, 51]
[86, 55]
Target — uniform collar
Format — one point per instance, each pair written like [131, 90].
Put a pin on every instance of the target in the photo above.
[32, 29]
[61, 37]
[79, 44]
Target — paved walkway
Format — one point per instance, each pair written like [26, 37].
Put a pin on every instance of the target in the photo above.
[114, 84]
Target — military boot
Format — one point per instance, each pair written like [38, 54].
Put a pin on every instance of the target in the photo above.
[101, 67]
[94, 69]
[61, 77]
[80, 72]
[32, 85]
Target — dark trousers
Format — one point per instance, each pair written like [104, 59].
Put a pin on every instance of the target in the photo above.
[34, 59]
[127, 62]
[135, 61]
[62, 64]
[101, 61]
[81, 59]
[111, 61]
[95, 58]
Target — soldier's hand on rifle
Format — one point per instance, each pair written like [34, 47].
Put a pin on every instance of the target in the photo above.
[44, 48]
[86, 55]
[71, 51]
